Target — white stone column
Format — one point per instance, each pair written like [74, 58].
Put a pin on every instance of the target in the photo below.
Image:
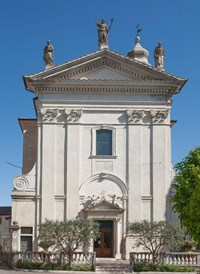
[118, 224]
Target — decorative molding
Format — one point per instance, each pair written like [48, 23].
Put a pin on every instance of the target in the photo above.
[122, 186]
[154, 116]
[20, 183]
[158, 115]
[112, 65]
[73, 115]
[111, 198]
[49, 115]
[101, 89]
[135, 115]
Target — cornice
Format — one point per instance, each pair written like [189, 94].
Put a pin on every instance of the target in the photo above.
[102, 89]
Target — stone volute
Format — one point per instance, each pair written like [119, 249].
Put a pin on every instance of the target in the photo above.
[139, 53]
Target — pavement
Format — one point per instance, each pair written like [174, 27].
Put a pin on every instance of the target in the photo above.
[6, 270]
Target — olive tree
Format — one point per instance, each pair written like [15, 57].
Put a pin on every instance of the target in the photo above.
[67, 236]
[152, 236]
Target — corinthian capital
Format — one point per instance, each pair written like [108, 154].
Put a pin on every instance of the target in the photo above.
[159, 115]
[49, 115]
[73, 115]
[134, 115]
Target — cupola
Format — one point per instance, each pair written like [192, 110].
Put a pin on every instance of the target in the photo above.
[139, 53]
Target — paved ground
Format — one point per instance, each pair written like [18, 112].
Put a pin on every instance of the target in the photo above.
[5, 270]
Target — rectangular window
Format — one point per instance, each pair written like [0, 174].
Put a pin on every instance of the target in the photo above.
[26, 243]
[104, 142]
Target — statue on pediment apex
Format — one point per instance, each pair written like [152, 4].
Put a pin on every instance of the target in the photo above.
[103, 31]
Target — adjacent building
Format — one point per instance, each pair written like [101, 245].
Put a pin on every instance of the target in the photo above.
[5, 224]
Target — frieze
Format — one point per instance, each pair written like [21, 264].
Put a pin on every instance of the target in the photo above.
[73, 115]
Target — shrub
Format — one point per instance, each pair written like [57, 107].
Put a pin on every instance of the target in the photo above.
[49, 266]
[145, 267]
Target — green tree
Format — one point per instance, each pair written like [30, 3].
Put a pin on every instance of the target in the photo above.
[67, 236]
[187, 193]
[153, 236]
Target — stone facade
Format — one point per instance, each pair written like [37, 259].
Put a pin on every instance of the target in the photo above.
[65, 173]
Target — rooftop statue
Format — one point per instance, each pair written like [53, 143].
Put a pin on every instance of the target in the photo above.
[48, 55]
[159, 56]
[103, 31]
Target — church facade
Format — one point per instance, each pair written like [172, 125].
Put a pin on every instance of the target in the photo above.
[99, 148]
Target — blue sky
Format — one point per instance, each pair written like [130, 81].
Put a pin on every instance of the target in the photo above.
[26, 25]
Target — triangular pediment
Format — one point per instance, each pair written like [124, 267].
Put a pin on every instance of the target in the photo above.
[104, 73]
[104, 206]
[101, 66]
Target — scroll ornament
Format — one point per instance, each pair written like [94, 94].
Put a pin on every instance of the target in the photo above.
[20, 183]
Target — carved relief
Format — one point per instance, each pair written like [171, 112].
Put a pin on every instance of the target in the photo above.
[73, 115]
[49, 115]
[20, 183]
[135, 115]
[111, 198]
[158, 115]
[92, 199]
[114, 199]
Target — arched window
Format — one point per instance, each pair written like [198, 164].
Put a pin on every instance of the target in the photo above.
[104, 142]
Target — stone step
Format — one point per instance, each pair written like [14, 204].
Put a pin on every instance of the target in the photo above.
[110, 266]
[111, 270]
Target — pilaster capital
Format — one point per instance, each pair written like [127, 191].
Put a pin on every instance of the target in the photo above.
[49, 115]
[135, 116]
[73, 115]
[158, 115]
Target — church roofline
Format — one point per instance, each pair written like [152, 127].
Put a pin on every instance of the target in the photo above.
[30, 80]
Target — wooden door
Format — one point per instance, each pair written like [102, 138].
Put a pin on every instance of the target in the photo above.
[103, 246]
